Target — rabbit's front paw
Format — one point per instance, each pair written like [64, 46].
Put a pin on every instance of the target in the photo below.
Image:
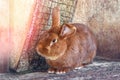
[78, 67]
[51, 70]
[62, 70]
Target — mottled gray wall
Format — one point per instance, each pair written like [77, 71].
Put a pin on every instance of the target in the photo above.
[103, 17]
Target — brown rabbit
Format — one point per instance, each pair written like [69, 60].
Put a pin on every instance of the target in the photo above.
[66, 47]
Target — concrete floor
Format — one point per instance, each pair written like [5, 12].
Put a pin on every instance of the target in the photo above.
[99, 70]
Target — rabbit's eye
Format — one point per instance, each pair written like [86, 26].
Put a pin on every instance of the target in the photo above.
[54, 40]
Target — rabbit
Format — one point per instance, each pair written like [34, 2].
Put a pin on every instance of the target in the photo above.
[68, 46]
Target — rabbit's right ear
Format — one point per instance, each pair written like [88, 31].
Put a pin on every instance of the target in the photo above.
[56, 17]
[67, 30]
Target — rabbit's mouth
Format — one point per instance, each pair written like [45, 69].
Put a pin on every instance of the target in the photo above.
[50, 56]
[54, 57]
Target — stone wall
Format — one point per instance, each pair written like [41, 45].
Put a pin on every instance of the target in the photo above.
[103, 18]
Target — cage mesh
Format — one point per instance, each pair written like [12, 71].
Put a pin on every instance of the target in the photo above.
[43, 21]
[67, 8]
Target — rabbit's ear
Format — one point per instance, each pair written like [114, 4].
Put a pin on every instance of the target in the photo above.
[67, 30]
[56, 17]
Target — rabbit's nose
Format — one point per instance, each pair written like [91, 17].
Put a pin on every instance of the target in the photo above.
[47, 47]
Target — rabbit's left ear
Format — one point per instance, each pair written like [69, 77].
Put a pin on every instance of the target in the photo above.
[56, 17]
[67, 30]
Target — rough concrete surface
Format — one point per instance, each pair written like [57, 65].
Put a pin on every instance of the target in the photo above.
[102, 16]
[99, 70]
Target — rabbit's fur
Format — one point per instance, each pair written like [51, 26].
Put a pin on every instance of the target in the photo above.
[67, 46]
